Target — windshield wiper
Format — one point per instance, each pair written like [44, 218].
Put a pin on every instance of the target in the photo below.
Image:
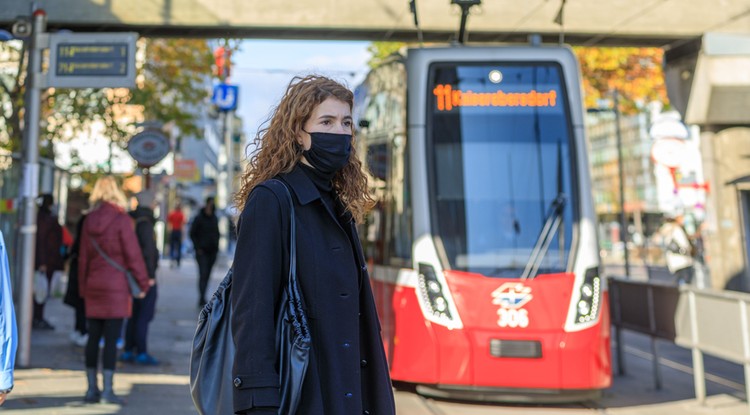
[554, 217]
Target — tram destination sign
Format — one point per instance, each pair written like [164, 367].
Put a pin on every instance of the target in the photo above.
[92, 60]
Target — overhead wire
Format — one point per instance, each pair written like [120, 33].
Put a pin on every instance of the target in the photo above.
[636, 14]
[524, 19]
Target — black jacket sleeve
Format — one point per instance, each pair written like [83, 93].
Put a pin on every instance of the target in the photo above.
[144, 230]
[195, 227]
[259, 261]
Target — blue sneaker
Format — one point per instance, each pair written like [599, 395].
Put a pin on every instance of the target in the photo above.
[127, 357]
[146, 360]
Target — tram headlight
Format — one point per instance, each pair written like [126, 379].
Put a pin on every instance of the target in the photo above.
[584, 308]
[432, 297]
[588, 306]
[587, 291]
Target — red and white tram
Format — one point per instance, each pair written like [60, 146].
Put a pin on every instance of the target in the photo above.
[482, 248]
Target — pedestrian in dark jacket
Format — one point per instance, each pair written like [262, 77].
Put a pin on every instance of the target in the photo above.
[309, 146]
[73, 298]
[136, 331]
[204, 232]
[108, 247]
[48, 257]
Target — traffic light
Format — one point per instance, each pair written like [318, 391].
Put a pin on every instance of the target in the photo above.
[222, 62]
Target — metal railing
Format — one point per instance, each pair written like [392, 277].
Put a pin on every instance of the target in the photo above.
[703, 320]
[714, 322]
[644, 307]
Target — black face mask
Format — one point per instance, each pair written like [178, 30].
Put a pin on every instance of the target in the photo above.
[329, 152]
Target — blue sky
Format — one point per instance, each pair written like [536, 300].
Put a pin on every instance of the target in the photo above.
[263, 68]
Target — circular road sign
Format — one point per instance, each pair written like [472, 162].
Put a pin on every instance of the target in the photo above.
[668, 152]
[148, 147]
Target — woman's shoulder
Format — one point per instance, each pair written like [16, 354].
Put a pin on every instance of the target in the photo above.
[122, 219]
[264, 197]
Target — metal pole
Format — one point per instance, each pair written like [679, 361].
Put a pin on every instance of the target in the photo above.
[745, 347]
[699, 375]
[652, 328]
[228, 131]
[30, 185]
[621, 175]
[617, 305]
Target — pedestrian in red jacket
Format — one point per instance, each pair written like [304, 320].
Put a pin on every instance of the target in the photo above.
[108, 247]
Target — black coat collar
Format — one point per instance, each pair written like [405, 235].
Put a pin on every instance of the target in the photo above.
[306, 192]
[301, 185]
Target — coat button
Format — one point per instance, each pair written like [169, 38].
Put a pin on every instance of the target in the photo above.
[237, 382]
[346, 345]
[364, 268]
[363, 362]
[348, 395]
[365, 412]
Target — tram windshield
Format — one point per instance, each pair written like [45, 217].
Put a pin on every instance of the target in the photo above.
[502, 155]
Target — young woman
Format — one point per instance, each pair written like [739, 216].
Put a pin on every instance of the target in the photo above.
[309, 146]
[109, 231]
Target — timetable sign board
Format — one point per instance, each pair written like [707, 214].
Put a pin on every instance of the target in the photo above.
[92, 60]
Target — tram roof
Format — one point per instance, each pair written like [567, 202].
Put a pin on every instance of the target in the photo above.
[586, 22]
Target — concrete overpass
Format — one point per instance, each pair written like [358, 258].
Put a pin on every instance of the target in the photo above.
[586, 22]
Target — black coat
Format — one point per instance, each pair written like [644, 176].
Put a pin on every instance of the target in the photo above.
[144, 230]
[204, 232]
[348, 372]
[72, 297]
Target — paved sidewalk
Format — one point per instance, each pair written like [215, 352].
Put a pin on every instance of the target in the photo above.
[56, 382]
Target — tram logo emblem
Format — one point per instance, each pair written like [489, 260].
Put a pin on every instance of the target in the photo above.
[511, 297]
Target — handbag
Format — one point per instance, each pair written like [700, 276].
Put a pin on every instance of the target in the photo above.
[135, 289]
[212, 357]
[41, 287]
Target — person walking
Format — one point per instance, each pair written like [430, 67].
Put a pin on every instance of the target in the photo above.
[176, 220]
[678, 248]
[8, 329]
[309, 146]
[73, 298]
[136, 331]
[47, 258]
[108, 247]
[204, 232]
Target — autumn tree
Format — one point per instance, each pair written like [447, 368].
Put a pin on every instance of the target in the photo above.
[635, 72]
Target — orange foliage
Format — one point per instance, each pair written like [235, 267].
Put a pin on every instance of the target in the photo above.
[635, 72]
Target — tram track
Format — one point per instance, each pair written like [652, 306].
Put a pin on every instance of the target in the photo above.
[430, 406]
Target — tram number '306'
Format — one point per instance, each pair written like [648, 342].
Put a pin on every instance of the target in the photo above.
[513, 318]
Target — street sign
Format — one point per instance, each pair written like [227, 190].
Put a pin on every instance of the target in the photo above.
[225, 97]
[148, 147]
[186, 171]
[92, 60]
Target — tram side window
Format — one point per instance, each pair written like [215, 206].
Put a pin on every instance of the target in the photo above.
[389, 224]
[400, 217]
[377, 163]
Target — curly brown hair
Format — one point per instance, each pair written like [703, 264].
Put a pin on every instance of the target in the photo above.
[276, 149]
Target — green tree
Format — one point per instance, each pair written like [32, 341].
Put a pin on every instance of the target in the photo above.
[173, 81]
[171, 87]
[379, 51]
[12, 79]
